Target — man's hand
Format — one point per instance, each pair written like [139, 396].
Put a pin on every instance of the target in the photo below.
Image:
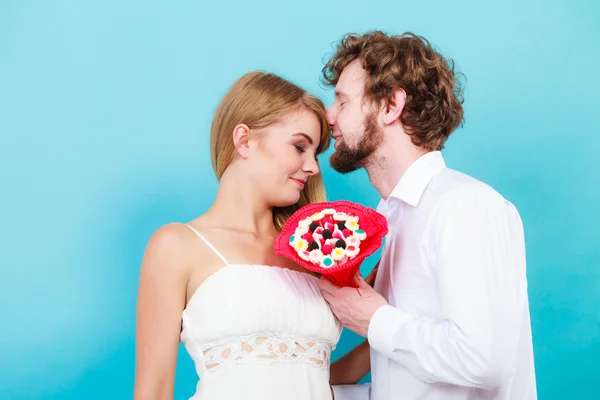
[353, 307]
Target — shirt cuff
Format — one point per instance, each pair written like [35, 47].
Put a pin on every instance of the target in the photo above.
[351, 392]
[383, 328]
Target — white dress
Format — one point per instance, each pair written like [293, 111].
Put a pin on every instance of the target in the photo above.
[258, 332]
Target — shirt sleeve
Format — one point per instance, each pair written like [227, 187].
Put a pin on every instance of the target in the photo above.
[352, 392]
[476, 248]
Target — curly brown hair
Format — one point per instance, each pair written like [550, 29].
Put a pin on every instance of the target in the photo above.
[434, 94]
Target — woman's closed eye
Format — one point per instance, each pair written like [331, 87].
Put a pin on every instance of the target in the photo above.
[300, 148]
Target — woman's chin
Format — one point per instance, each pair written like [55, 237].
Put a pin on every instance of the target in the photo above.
[287, 201]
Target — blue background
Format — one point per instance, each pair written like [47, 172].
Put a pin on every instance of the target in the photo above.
[105, 109]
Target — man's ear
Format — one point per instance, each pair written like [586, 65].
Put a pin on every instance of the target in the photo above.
[241, 140]
[394, 108]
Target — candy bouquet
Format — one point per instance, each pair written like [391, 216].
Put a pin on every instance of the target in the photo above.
[332, 238]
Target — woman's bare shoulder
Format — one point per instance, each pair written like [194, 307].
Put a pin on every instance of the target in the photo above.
[176, 247]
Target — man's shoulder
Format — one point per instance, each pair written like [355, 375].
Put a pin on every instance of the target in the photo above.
[452, 186]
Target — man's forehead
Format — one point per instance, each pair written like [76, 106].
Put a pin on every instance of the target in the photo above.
[352, 76]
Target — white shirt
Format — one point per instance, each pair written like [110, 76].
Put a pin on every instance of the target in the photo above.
[457, 325]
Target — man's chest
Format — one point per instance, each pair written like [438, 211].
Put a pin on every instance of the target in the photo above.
[407, 276]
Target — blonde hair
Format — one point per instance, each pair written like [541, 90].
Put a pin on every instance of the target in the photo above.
[258, 100]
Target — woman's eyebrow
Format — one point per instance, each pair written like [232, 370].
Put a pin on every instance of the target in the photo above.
[310, 141]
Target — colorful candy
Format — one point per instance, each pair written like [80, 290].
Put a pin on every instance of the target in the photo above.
[328, 238]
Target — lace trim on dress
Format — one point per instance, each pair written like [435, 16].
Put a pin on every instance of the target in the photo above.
[267, 348]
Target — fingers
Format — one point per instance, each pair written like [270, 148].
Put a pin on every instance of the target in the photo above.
[358, 278]
[360, 281]
[326, 286]
[327, 296]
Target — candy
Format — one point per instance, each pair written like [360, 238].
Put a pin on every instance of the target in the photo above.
[340, 216]
[317, 216]
[360, 234]
[338, 235]
[327, 262]
[351, 218]
[307, 236]
[352, 251]
[352, 241]
[322, 243]
[300, 245]
[313, 245]
[300, 231]
[328, 238]
[352, 225]
[315, 256]
[326, 220]
[316, 237]
[304, 223]
[338, 254]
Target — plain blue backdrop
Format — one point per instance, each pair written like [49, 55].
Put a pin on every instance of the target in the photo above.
[105, 108]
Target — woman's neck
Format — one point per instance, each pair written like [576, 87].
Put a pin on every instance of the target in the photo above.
[237, 206]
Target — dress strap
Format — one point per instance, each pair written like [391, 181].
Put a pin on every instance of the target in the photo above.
[209, 244]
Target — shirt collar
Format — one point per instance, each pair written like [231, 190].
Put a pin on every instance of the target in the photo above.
[414, 181]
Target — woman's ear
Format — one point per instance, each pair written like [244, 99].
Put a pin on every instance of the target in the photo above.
[241, 140]
[395, 106]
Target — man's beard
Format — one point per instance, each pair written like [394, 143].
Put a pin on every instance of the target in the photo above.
[346, 159]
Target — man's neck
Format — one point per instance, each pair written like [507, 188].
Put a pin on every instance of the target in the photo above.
[389, 162]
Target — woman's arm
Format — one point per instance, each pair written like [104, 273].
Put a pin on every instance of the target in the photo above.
[352, 367]
[161, 300]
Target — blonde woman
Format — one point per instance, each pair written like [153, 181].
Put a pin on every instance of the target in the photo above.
[255, 324]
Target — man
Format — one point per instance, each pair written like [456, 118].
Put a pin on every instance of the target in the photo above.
[448, 317]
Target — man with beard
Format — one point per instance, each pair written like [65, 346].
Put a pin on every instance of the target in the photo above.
[448, 317]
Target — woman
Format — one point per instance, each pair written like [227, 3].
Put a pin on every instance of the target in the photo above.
[254, 323]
